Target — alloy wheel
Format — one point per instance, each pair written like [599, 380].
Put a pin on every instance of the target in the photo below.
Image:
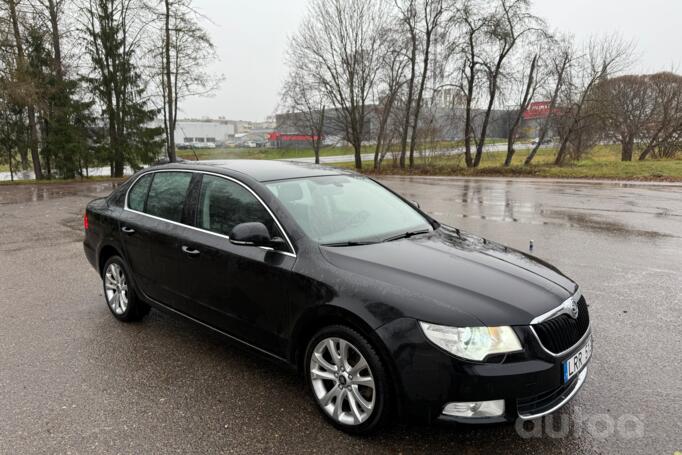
[116, 288]
[342, 381]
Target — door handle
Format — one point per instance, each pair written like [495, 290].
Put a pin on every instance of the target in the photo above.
[128, 230]
[190, 251]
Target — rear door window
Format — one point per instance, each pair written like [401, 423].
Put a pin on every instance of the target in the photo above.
[167, 195]
[138, 193]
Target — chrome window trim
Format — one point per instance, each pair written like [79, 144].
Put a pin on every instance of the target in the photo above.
[564, 308]
[588, 332]
[578, 384]
[194, 171]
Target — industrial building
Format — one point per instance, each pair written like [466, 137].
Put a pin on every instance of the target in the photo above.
[204, 133]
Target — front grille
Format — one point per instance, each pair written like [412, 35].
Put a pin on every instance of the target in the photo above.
[529, 407]
[562, 332]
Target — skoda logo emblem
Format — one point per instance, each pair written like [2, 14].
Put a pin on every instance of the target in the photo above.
[573, 310]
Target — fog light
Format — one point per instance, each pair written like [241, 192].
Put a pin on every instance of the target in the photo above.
[493, 408]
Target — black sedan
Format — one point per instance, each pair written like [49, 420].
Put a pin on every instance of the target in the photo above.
[385, 311]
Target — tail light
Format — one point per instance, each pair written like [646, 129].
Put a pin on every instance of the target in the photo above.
[86, 224]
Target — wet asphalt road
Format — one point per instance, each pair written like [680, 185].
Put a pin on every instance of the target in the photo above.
[73, 380]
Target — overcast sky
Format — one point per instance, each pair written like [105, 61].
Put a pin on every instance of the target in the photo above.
[251, 38]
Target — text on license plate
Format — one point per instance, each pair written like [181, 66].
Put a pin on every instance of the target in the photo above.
[577, 361]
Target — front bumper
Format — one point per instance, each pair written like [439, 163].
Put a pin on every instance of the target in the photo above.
[428, 378]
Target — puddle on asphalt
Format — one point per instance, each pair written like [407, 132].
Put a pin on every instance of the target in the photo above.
[595, 224]
[573, 220]
[19, 194]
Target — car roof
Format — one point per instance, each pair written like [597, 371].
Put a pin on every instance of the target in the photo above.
[264, 170]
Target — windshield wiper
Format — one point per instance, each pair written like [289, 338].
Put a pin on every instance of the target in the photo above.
[351, 243]
[406, 235]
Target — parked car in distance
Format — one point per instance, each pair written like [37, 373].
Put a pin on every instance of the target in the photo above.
[545, 141]
[386, 312]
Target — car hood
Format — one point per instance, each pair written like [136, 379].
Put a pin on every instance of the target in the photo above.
[453, 272]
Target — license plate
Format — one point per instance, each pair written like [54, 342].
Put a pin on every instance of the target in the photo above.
[577, 361]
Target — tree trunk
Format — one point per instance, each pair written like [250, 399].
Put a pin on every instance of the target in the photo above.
[552, 104]
[627, 147]
[21, 141]
[358, 156]
[562, 151]
[35, 155]
[646, 152]
[488, 112]
[56, 45]
[483, 134]
[320, 131]
[21, 67]
[9, 159]
[408, 103]
[420, 95]
[511, 138]
[468, 128]
[377, 148]
[169, 86]
[385, 115]
[510, 149]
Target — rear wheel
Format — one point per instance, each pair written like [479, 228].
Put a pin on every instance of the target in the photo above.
[119, 292]
[347, 379]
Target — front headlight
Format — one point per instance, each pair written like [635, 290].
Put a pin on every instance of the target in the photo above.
[473, 343]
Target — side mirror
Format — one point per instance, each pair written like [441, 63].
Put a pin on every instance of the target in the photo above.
[255, 234]
[416, 204]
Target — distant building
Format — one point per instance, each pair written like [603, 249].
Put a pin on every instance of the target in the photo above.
[220, 132]
[444, 119]
[204, 134]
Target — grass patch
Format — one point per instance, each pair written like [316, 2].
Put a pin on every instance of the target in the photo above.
[259, 153]
[276, 154]
[601, 163]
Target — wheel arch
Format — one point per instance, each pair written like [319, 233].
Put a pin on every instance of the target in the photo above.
[105, 253]
[326, 315]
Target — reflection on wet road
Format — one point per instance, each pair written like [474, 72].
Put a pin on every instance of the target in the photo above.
[617, 209]
[17, 194]
[73, 379]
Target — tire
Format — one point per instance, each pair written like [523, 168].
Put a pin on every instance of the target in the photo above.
[119, 292]
[362, 408]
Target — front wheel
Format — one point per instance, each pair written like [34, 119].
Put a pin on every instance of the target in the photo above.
[119, 292]
[347, 379]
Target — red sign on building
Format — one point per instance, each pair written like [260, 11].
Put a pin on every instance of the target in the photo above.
[538, 109]
[276, 136]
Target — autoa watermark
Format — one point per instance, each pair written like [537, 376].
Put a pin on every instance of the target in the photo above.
[598, 426]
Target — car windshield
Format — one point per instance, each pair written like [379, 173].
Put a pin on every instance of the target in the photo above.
[346, 209]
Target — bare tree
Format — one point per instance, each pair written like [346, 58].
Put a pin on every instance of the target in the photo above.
[468, 23]
[432, 12]
[339, 42]
[602, 58]
[391, 80]
[560, 60]
[526, 98]
[663, 135]
[511, 22]
[306, 106]
[408, 14]
[183, 51]
[169, 92]
[625, 109]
